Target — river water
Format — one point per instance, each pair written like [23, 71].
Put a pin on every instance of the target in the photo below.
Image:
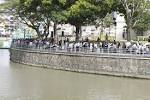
[21, 82]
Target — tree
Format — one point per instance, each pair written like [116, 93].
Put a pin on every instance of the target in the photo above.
[37, 13]
[108, 20]
[84, 12]
[133, 11]
[143, 24]
[9, 4]
[27, 12]
[58, 13]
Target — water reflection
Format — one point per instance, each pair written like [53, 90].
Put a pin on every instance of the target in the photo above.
[20, 82]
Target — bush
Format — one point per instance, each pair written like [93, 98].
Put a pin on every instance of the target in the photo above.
[142, 38]
[1, 43]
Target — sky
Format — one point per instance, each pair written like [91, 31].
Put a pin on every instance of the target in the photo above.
[1, 1]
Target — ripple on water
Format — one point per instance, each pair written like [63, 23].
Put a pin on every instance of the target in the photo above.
[20, 82]
[20, 98]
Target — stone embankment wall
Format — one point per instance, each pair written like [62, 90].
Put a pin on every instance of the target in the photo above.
[114, 64]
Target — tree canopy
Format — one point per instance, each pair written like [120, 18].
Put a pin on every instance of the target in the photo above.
[143, 24]
[134, 11]
[9, 4]
[75, 12]
[84, 12]
[40, 13]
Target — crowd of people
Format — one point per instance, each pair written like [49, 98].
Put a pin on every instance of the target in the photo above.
[84, 46]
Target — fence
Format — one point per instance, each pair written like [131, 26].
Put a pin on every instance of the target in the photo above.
[81, 49]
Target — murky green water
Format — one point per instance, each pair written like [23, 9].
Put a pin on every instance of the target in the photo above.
[20, 82]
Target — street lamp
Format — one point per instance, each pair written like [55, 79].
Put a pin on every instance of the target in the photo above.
[124, 32]
[102, 30]
[24, 33]
[115, 23]
[62, 43]
[129, 21]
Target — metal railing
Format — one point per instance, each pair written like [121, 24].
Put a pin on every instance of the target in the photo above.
[81, 49]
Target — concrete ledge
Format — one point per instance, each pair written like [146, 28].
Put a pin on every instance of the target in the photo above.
[114, 64]
[4, 48]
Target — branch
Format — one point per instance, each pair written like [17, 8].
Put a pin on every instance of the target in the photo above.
[140, 8]
[135, 22]
[125, 5]
[28, 23]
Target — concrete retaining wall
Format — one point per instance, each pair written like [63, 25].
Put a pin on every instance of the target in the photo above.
[119, 65]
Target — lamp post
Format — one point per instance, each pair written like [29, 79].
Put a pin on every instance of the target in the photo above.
[24, 33]
[129, 21]
[115, 23]
[124, 32]
[62, 41]
[102, 30]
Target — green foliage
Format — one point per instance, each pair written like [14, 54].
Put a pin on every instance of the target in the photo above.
[86, 11]
[1, 43]
[9, 4]
[108, 20]
[75, 12]
[142, 38]
[31, 13]
[143, 24]
[81, 12]
[58, 11]
[117, 6]
[63, 2]
[134, 11]
[37, 13]
[58, 17]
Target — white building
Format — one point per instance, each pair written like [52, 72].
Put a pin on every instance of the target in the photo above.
[92, 32]
[120, 27]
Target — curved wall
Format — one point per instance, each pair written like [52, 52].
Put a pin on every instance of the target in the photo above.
[119, 65]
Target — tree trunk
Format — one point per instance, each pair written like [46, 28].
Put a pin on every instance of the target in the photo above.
[38, 33]
[47, 31]
[55, 26]
[129, 26]
[55, 32]
[78, 32]
[129, 33]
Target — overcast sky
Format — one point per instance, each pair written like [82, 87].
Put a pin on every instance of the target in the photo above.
[1, 1]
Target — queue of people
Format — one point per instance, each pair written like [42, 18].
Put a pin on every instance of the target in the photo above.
[84, 46]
